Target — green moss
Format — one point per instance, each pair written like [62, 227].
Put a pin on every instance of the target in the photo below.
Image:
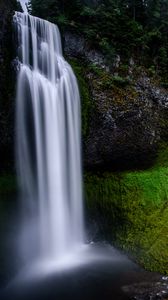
[120, 81]
[79, 69]
[117, 90]
[133, 209]
[7, 184]
[164, 84]
[93, 67]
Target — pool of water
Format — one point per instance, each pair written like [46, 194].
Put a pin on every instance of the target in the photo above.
[98, 272]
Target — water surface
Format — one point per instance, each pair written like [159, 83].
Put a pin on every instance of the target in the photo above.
[99, 272]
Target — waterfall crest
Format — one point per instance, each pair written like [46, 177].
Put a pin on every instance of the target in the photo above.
[23, 4]
[48, 126]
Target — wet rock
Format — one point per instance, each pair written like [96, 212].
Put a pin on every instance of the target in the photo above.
[165, 278]
[117, 61]
[125, 131]
[126, 122]
[76, 46]
[152, 92]
[148, 290]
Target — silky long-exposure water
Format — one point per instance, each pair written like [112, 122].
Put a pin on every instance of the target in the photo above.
[57, 262]
[48, 142]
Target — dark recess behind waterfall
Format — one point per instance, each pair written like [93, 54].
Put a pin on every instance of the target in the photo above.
[7, 85]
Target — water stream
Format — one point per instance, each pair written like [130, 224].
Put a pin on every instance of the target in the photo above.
[57, 262]
[48, 150]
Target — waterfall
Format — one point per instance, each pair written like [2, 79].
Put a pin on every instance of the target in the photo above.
[23, 4]
[48, 153]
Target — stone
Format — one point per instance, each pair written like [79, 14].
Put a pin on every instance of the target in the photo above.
[126, 123]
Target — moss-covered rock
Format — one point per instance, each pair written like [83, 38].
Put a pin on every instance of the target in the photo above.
[79, 68]
[127, 116]
[128, 122]
[132, 208]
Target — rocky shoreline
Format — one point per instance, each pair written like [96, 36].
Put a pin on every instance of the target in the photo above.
[151, 287]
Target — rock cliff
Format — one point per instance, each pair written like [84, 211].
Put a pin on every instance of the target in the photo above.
[128, 110]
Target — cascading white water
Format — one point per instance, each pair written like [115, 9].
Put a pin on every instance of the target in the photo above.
[48, 153]
[23, 4]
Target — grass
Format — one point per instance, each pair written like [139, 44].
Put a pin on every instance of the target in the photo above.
[133, 209]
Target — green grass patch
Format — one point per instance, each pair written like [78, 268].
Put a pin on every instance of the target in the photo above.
[133, 209]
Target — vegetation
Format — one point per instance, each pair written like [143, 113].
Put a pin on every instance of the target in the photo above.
[80, 70]
[132, 211]
[130, 28]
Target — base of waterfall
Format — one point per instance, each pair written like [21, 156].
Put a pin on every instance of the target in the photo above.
[86, 274]
[83, 255]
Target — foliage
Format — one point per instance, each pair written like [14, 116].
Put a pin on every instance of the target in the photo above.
[79, 70]
[132, 209]
[130, 28]
[120, 81]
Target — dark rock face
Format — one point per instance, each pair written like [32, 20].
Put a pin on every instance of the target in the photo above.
[7, 82]
[76, 46]
[126, 123]
[126, 134]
